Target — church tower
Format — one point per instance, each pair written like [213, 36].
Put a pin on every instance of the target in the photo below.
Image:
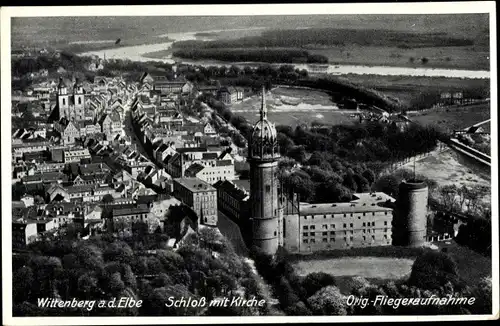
[79, 101]
[263, 155]
[62, 99]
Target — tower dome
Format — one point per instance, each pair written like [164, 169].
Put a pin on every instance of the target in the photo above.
[264, 140]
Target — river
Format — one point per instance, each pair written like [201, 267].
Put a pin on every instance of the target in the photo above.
[137, 52]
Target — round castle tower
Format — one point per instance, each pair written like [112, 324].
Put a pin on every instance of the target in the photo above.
[410, 222]
[263, 154]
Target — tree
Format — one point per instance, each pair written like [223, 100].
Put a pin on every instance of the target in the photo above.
[432, 270]
[363, 185]
[115, 283]
[107, 199]
[316, 281]
[328, 301]
[119, 251]
[298, 309]
[87, 285]
[170, 260]
[369, 175]
[285, 143]
[349, 182]
[161, 280]
[90, 256]
[388, 184]
[298, 153]
[332, 192]
[22, 280]
[449, 194]
[482, 292]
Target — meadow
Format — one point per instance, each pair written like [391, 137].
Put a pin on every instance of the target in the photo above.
[460, 57]
[408, 90]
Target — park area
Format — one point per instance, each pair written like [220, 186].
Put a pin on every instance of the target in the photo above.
[294, 106]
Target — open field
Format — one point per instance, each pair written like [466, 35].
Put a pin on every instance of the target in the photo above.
[374, 269]
[291, 106]
[460, 57]
[368, 267]
[454, 118]
[407, 89]
[300, 118]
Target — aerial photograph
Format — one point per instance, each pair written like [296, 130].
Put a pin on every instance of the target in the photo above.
[251, 165]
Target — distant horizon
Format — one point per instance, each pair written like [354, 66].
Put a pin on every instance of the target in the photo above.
[97, 28]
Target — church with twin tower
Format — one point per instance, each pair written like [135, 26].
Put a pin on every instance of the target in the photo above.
[265, 201]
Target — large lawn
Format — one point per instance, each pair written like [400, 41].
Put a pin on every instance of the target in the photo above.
[368, 267]
[377, 270]
[292, 106]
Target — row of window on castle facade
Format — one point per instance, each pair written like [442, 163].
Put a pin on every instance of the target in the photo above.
[325, 226]
[339, 215]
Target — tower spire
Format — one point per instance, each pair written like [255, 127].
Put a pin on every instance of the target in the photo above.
[263, 107]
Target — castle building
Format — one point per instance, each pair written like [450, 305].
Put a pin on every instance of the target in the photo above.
[274, 219]
[70, 106]
[266, 211]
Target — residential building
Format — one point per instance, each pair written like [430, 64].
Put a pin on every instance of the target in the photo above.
[230, 94]
[76, 155]
[200, 196]
[111, 125]
[24, 232]
[123, 219]
[233, 199]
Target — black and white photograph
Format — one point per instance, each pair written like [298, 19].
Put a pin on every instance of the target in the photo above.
[273, 163]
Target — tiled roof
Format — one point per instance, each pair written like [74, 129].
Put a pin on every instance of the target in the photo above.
[194, 184]
[192, 170]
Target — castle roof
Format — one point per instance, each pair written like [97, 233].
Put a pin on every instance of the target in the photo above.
[336, 208]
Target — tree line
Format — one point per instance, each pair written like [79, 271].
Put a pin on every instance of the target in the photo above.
[333, 37]
[251, 54]
[139, 267]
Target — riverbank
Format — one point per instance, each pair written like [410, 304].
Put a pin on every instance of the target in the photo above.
[462, 58]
